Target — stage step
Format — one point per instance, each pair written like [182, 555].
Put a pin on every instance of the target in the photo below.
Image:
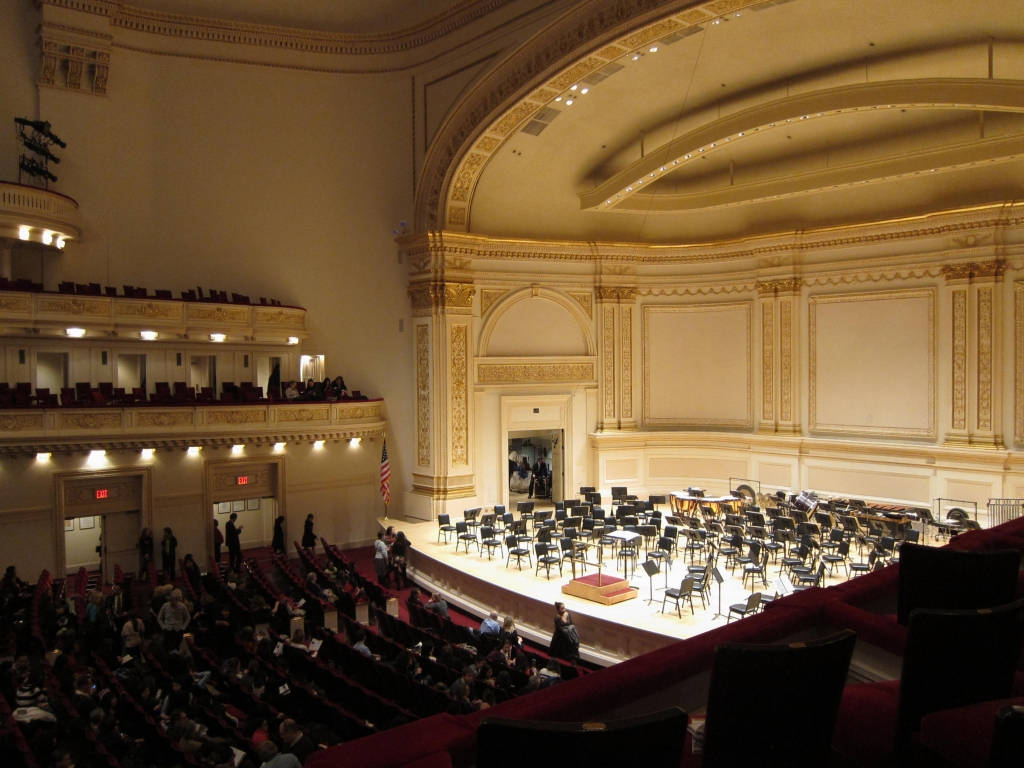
[607, 589]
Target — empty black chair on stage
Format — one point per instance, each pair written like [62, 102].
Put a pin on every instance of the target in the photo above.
[685, 592]
[745, 609]
[775, 705]
[546, 558]
[516, 551]
[931, 577]
[651, 741]
[444, 527]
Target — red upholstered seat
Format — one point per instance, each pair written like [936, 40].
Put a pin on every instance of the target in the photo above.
[963, 736]
[866, 726]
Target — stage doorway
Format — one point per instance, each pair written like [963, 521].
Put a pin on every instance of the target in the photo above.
[535, 465]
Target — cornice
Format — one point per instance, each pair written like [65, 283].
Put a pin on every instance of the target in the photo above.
[966, 228]
[223, 31]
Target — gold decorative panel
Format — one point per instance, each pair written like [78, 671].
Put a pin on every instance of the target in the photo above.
[90, 420]
[487, 298]
[786, 360]
[218, 314]
[20, 422]
[608, 359]
[767, 360]
[236, 416]
[626, 367]
[316, 413]
[985, 333]
[149, 309]
[1018, 362]
[460, 398]
[76, 306]
[959, 359]
[535, 373]
[423, 395]
[175, 418]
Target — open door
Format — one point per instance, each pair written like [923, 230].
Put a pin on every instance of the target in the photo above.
[120, 536]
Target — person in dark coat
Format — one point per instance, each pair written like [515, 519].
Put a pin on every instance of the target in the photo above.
[145, 547]
[278, 542]
[308, 537]
[233, 538]
[169, 552]
[565, 641]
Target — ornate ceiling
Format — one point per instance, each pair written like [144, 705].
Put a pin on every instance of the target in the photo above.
[719, 120]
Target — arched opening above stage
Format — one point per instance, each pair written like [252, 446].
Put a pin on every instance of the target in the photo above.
[536, 465]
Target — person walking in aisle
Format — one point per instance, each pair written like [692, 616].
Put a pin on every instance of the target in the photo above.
[233, 538]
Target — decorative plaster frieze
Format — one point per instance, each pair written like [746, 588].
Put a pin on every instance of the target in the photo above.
[74, 59]
[970, 270]
[785, 360]
[236, 416]
[585, 300]
[441, 295]
[608, 359]
[297, 415]
[92, 420]
[20, 422]
[1018, 362]
[487, 298]
[175, 418]
[626, 354]
[777, 287]
[619, 293]
[535, 373]
[767, 359]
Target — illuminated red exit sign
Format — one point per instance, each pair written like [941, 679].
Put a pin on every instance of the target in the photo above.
[243, 479]
[102, 493]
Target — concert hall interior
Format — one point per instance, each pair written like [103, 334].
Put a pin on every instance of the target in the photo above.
[697, 265]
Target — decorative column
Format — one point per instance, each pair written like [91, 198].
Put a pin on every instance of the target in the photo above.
[974, 295]
[442, 327]
[615, 305]
[777, 300]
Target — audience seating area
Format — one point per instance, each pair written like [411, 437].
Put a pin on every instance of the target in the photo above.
[87, 395]
[135, 292]
[677, 674]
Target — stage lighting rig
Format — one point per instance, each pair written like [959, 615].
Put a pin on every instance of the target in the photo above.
[37, 138]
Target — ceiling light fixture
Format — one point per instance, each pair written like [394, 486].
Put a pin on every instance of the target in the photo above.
[193, 450]
[24, 232]
[148, 335]
[318, 445]
[147, 453]
[217, 338]
[237, 449]
[75, 333]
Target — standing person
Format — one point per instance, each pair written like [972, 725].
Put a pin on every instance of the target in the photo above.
[145, 547]
[380, 558]
[233, 537]
[399, 558]
[565, 642]
[308, 537]
[168, 552]
[218, 542]
[173, 620]
[278, 542]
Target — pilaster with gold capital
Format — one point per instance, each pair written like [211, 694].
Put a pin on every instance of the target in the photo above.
[777, 302]
[974, 296]
[443, 322]
[616, 392]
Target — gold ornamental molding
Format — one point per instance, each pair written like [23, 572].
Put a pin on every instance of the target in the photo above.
[621, 294]
[20, 422]
[608, 359]
[985, 343]
[217, 313]
[149, 310]
[786, 360]
[585, 300]
[320, 413]
[426, 297]
[778, 287]
[626, 346]
[488, 296]
[1018, 362]
[88, 307]
[90, 420]
[74, 59]
[972, 270]
[536, 373]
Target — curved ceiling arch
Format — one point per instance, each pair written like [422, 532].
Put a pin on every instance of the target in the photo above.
[622, 190]
[576, 45]
[495, 314]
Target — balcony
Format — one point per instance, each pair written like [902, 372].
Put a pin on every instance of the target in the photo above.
[38, 215]
[27, 431]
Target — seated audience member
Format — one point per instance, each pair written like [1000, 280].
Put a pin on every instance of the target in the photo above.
[510, 633]
[359, 643]
[294, 741]
[437, 604]
[192, 573]
[461, 688]
[291, 392]
[490, 625]
[268, 753]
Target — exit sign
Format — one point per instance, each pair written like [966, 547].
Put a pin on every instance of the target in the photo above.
[102, 493]
[243, 479]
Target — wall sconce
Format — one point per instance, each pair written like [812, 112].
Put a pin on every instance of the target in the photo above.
[43, 456]
[148, 335]
[318, 445]
[75, 333]
[193, 450]
[279, 447]
[293, 340]
[354, 442]
[217, 338]
[147, 453]
[97, 458]
[237, 449]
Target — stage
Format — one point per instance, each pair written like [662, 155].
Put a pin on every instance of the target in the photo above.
[608, 633]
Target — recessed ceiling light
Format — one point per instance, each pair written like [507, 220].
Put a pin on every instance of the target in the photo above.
[653, 49]
[584, 91]
[574, 87]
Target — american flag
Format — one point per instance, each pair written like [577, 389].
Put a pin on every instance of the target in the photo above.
[385, 475]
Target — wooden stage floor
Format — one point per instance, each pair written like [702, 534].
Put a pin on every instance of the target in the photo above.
[608, 633]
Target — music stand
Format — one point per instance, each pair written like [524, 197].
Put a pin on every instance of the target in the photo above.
[718, 578]
[651, 569]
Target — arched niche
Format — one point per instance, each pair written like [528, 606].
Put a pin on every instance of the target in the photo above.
[536, 323]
